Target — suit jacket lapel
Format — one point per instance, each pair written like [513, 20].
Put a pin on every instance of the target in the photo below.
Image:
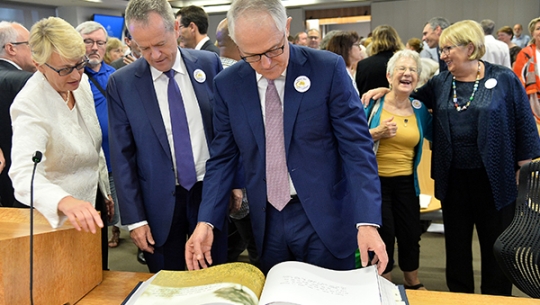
[201, 93]
[293, 98]
[145, 89]
[247, 84]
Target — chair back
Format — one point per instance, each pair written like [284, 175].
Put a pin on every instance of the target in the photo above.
[517, 249]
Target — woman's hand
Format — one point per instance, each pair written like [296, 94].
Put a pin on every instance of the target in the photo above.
[2, 161]
[386, 129]
[109, 203]
[81, 214]
[374, 94]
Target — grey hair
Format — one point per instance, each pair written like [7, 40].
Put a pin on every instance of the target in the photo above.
[138, 11]
[488, 26]
[326, 39]
[246, 8]
[88, 27]
[438, 21]
[7, 34]
[406, 53]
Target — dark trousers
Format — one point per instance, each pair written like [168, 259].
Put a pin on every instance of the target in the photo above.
[401, 221]
[7, 197]
[102, 208]
[290, 236]
[171, 256]
[241, 238]
[468, 203]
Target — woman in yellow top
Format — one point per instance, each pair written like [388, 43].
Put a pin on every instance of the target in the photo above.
[398, 125]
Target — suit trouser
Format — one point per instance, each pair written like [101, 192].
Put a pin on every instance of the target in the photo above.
[290, 236]
[171, 255]
[401, 221]
[469, 203]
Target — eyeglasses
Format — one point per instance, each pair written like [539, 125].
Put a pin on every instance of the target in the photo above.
[270, 54]
[16, 43]
[358, 44]
[446, 50]
[68, 70]
[313, 37]
[90, 42]
[403, 69]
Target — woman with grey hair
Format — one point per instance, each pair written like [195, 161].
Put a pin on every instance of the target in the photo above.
[54, 114]
[398, 125]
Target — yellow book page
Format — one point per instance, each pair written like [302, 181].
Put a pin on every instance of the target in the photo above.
[234, 283]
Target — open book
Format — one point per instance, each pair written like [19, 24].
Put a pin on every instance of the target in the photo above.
[294, 283]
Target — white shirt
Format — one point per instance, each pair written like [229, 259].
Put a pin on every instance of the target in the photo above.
[262, 83]
[200, 44]
[497, 52]
[11, 62]
[197, 135]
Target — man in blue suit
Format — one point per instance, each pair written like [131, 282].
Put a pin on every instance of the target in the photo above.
[158, 193]
[331, 203]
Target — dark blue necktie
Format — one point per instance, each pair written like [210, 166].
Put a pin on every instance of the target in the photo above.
[185, 166]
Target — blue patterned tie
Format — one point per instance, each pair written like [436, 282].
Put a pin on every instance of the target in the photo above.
[185, 166]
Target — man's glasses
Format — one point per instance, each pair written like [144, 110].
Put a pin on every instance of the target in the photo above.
[89, 42]
[270, 53]
[16, 43]
[68, 70]
[446, 50]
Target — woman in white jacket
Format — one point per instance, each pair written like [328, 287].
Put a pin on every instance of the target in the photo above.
[54, 114]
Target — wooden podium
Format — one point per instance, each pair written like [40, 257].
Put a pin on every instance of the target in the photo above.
[67, 263]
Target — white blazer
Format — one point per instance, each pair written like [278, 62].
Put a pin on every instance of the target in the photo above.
[73, 162]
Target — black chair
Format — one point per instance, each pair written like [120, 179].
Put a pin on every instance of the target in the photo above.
[517, 249]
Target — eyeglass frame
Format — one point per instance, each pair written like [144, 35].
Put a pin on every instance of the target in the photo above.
[259, 56]
[99, 43]
[16, 43]
[403, 69]
[446, 50]
[69, 69]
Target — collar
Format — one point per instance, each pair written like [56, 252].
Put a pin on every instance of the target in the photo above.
[200, 44]
[11, 62]
[282, 76]
[177, 67]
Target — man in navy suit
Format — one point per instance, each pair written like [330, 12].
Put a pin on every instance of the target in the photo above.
[194, 29]
[331, 192]
[158, 208]
[16, 67]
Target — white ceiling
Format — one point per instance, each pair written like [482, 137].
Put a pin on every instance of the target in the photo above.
[209, 5]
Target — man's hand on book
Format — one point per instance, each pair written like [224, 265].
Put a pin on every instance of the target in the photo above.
[142, 237]
[370, 240]
[198, 247]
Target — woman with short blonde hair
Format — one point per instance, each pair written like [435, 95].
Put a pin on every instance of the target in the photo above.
[54, 114]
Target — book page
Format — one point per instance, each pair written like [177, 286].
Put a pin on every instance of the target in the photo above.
[305, 284]
[236, 283]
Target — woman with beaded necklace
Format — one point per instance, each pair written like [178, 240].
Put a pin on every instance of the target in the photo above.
[483, 131]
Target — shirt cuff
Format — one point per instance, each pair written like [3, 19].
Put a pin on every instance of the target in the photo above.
[136, 225]
[367, 224]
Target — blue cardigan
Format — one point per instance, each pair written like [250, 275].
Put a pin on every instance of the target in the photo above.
[506, 130]
[424, 121]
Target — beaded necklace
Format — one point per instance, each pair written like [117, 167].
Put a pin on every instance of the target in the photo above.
[475, 88]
